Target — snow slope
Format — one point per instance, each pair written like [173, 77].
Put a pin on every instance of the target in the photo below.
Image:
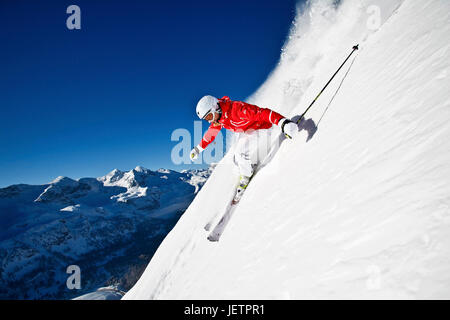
[361, 209]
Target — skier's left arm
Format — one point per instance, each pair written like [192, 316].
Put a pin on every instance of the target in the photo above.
[247, 111]
[255, 113]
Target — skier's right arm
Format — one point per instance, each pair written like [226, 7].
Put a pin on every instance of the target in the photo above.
[208, 137]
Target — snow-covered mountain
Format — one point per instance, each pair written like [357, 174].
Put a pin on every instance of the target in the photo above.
[358, 204]
[105, 225]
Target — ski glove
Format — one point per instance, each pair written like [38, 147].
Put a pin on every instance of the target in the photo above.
[195, 152]
[288, 127]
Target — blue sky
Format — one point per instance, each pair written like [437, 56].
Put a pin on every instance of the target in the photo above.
[80, 103]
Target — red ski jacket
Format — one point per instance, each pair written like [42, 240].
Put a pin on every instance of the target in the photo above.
[239, 116]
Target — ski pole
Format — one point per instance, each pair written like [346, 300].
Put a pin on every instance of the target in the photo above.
[301, 117]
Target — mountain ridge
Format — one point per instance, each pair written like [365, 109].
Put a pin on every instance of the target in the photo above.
[88, 221]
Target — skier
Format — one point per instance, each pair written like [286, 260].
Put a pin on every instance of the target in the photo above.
[245, 119]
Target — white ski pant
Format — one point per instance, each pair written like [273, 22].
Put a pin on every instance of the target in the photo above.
[251, 147]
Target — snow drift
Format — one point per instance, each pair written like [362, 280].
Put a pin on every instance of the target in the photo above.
[360, 206]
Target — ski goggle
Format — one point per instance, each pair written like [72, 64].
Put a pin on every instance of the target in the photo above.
[210, 114]
[212, 111]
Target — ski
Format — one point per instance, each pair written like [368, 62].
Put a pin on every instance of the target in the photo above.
[209, 224]
[215, 234]
[219, 213]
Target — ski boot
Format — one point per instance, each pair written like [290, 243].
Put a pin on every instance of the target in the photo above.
[243, 183]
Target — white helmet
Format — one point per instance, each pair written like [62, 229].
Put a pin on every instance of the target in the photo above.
[206, 105]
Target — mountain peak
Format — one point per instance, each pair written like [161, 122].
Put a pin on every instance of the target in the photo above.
[58, 179]
[141, 169]
[64, 181]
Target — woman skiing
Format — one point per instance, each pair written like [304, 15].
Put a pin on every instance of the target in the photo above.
[245, 119]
